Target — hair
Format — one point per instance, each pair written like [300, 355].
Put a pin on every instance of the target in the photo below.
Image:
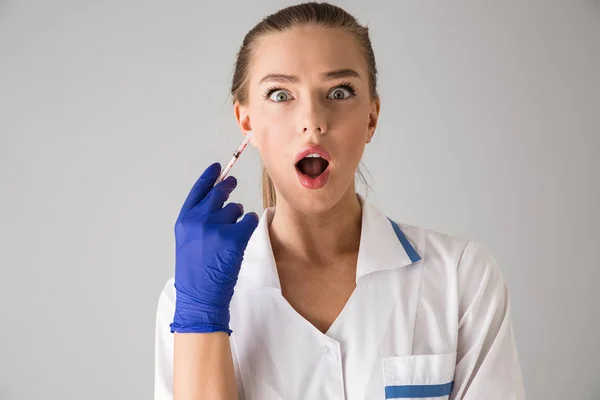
[322, 15]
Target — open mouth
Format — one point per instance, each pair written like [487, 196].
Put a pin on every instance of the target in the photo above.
[312, 165]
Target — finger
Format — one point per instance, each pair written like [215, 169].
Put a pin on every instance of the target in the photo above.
[228, 214]
[218, 196]
[242, 230]
[202, 187]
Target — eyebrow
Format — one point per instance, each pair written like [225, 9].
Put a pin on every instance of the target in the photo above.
[341, 73]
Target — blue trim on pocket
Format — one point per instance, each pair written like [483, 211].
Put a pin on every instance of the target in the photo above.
[412, 253]
[417, 391]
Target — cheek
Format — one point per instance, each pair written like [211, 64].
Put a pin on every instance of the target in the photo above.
[352, 136]
[351, 151]
[271, 123]
[272, 145]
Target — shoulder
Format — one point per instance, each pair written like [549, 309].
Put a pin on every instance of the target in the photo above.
[434, 246]
[463, 267]
[442, 250]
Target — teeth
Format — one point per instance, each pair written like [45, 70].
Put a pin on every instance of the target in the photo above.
[313, 155]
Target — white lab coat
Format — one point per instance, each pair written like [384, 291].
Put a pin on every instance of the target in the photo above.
[429, 318]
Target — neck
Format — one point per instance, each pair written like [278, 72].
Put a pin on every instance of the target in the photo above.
[317, 239]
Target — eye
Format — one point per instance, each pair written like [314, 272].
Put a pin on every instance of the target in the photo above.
[342, 92]
[277, 95]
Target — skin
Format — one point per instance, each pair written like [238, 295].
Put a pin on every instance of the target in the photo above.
[203, 367]
[315, 233]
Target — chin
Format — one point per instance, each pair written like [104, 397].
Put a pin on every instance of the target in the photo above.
[311, 201]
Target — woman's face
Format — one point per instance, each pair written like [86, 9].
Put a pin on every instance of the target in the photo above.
[309, 87]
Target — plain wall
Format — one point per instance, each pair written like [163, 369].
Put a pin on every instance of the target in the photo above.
[110, 110]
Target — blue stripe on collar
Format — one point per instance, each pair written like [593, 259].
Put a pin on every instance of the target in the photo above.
[410, 251]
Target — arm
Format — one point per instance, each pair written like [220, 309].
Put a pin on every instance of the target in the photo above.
[211, 361]
[194, 359]
[203, 367]
[487, 360]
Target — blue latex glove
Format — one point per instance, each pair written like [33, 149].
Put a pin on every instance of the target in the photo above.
[210, 246]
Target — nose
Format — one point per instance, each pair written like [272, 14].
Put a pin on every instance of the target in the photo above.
[313, 118]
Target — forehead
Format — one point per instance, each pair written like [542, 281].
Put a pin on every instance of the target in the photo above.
[306, 52]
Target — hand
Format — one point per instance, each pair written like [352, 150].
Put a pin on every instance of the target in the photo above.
[210, 246]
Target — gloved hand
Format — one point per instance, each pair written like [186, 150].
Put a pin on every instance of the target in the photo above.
[210, 246]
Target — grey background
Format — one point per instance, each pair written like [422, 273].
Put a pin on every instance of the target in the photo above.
[110, 110]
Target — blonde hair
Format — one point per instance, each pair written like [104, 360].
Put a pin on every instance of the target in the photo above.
[322, 15]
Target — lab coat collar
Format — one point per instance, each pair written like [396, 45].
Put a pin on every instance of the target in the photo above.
[383, 245]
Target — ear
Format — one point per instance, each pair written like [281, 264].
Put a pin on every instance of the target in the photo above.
[243, 119]
[373, 118]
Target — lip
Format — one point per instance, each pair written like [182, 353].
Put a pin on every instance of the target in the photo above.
[314, 183]
[320, 150]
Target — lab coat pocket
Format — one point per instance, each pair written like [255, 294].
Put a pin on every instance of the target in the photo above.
[428, 376]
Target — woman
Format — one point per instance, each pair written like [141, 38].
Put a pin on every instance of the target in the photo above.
[332, 299]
